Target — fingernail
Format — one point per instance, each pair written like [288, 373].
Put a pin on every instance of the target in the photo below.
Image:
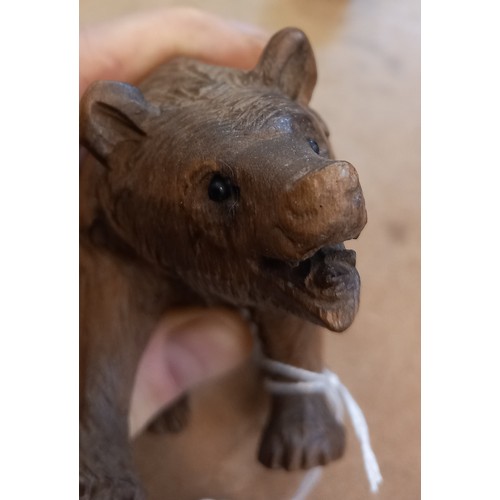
[250, 29]
[206, 347]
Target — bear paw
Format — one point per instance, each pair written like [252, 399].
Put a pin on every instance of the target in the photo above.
[301, 433]
[174, 419]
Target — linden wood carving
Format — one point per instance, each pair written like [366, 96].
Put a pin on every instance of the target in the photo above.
[210, 185]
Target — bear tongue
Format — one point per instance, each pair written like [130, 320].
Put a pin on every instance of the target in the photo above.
[331, 268]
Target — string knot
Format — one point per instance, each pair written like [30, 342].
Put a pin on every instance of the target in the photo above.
[339, 399]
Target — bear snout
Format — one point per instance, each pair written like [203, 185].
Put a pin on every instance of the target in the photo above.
[324, 206]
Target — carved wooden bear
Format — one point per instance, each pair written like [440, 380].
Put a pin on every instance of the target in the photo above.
[212, 186]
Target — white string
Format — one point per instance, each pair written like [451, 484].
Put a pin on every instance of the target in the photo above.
[307, 484]
[338, 397]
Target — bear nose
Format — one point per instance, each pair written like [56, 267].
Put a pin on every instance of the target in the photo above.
[325, 205]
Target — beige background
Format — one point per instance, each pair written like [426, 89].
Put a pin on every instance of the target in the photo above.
[368, 54]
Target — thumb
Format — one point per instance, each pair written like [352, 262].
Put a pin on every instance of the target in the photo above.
[186, 348]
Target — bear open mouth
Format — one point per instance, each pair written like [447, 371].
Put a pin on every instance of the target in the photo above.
[326, 283]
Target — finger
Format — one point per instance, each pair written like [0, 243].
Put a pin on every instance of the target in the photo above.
[187, 347]
[127, 49]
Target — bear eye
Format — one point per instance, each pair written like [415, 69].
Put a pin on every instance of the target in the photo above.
[314, 145]
[220, 188]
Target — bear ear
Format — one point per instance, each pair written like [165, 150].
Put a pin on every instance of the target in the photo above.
[288, 62]
[110, 113]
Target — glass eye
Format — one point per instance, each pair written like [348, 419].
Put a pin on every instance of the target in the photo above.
[314, 145]
[219, 189]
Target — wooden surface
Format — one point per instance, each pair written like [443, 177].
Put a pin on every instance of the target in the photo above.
[368, 55]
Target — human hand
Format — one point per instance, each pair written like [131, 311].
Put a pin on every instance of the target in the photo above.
[187, 347]
[127, 49]
[190, 345]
